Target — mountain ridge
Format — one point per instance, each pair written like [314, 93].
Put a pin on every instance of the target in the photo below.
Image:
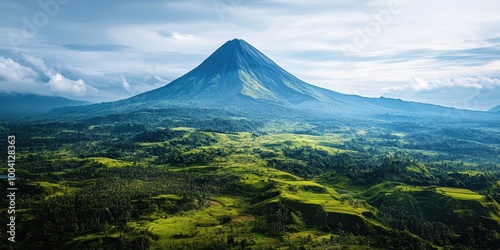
[238, 77]
[25, 104]
[495, 109]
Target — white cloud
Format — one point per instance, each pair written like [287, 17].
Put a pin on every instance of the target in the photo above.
[179, 36]
[154, 38]
[125, 84]
[421, 85]
[29, 74]
[477, 93]
[60, 84]
[14, 72]
[38, 63]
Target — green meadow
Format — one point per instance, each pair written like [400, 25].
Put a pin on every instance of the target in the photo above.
[186, 188]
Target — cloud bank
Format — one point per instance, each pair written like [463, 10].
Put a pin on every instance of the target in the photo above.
[475, 93]
[24, 73]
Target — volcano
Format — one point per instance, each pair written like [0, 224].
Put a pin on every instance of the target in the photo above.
[238, 77]
[237, 71]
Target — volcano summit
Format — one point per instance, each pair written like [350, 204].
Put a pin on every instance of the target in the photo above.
[234, 72]
[238, 77]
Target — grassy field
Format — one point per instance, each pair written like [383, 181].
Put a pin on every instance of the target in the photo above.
[460, 193]
[362, 203]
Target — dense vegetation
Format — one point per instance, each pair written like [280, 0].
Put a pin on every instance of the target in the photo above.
[212, 181]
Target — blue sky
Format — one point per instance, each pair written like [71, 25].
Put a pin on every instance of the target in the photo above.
[443, 52]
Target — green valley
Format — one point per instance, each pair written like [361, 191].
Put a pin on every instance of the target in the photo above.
[273, 185]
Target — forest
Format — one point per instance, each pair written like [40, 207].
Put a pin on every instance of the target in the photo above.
[208, 181]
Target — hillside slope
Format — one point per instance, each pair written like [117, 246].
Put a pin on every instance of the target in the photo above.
[17, 103]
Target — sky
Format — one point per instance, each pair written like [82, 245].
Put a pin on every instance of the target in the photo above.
[443, 52]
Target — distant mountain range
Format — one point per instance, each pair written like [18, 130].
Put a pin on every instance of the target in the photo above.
[238, 77]
[25, 104]
[495, 109]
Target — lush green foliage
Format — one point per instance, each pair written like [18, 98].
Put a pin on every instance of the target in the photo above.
[206, 180]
